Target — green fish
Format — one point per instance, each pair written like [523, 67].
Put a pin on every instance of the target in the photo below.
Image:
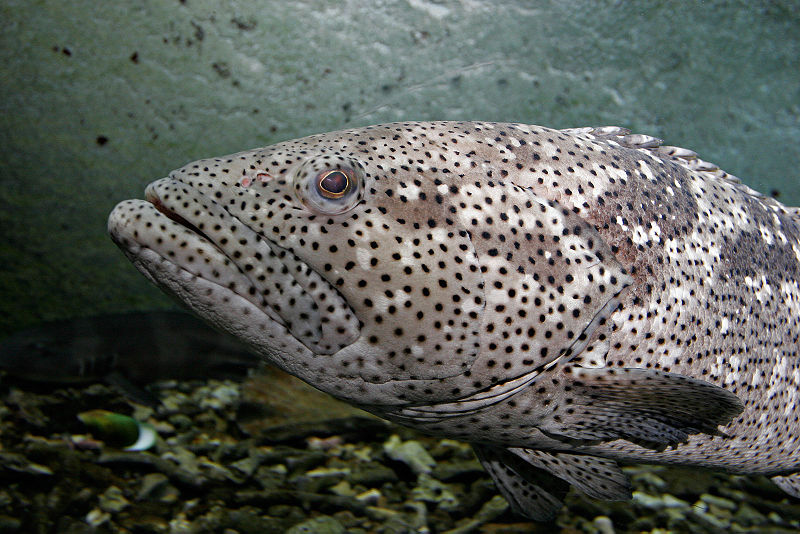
[119, 430]
[561, 299]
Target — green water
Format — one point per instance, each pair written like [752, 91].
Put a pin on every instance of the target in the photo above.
[99, 98]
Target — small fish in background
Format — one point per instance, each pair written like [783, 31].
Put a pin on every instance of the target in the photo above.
[128, 350]
[561, 299]
[119, 430]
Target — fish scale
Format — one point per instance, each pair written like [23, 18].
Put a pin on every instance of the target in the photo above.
[562, 299]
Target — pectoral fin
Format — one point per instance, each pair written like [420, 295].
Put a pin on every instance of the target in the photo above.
[652, 408]
[535, 482]
[530, 491]
[598, 478]
[789, 483]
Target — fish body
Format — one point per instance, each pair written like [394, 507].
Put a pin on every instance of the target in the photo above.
[130, 349]
[561, 299]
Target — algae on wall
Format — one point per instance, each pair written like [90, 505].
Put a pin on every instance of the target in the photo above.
[99, 98]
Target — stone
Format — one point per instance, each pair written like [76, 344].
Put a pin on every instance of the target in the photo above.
[318, 525]
[372, 474]
[603, 525]
[113, 501]
[152, 484]
[411, 453]
[429, 489]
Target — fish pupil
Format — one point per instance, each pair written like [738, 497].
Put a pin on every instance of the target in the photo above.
[333, 184]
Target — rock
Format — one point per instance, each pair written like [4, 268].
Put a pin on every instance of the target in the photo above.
[659, 502]
[162, 465]
[371, 496]
[372, 474]
[9, 524]
[343, 488]
[181, 422]
[708, 521]
[398, 524]
[271, 477]
[300, 460]
[411, 453]
[380, 514]
[649, 481]
[219, 397]
[450, 448]
[747, 516]
[113, 501]
[147, 523]
[28, 406]
[152, 486]
[97, 517]
[418, 520]
[603, 525]
[429, 489]
[458, 470]
[216, 471]
[318, 525]
[175, 402]
[278, 407]
[186, 461]
[247, 466]
[18, 463]
[319, 478]
[719, 502]
[245, 520]
[774, 517]
[489, 511]
[181, 525]
[324, 444]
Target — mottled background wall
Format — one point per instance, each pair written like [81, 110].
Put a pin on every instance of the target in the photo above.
[99, 98]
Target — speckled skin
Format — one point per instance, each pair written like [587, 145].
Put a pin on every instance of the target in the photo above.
[551, 296]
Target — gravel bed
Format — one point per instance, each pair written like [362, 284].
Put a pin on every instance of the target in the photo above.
[273, 455]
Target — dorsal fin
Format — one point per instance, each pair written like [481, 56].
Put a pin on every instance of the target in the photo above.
[683, 156]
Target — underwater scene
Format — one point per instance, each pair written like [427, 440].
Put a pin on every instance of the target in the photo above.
[422, 266]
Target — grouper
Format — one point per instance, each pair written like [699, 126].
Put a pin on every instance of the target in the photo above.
[563, 300]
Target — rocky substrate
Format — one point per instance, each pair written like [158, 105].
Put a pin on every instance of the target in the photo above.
[273, 455]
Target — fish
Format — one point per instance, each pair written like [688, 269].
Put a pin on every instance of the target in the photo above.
[128, 350]
[119, 430]
[563, 300]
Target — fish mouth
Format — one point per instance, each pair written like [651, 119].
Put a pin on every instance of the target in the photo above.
[196, 234]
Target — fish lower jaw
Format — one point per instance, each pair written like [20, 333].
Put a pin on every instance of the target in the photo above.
[256, 267]
[253, 271]
[225, 309]
[163, 249]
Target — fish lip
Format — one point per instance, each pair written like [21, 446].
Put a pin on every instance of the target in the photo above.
[149, 259]
[151, 196]
[177, 218]
[153, 199]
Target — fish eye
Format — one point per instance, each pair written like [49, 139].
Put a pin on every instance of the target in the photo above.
[335, 183]
[329, 184]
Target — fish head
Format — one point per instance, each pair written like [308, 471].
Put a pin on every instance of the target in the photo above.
[325, 254]
[390, 264]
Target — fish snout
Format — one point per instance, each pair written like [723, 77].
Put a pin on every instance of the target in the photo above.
[199, 235]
